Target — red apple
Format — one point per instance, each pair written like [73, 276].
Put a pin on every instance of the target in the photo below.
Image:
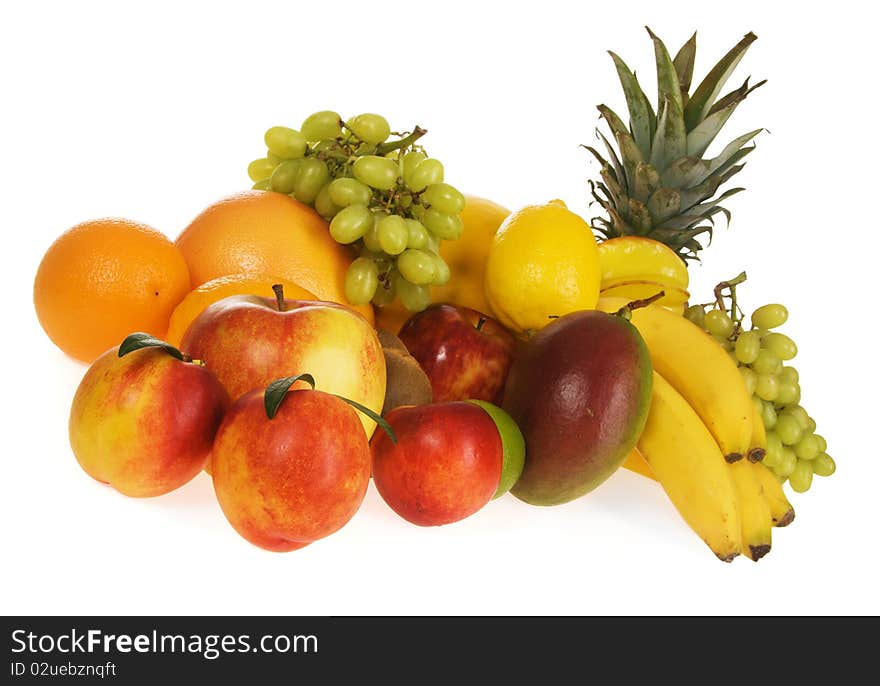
[249, 341]
[445, 466]
[465, 353]
[144, 422]
[286, 481]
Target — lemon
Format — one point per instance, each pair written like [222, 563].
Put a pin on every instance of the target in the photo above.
[543, 263]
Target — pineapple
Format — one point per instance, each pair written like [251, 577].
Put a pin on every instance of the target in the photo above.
[656, 183]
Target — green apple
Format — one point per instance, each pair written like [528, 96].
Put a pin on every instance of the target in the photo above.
[512, 443]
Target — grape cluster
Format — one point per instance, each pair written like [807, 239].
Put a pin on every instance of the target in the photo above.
[794, 451]
[380, 192]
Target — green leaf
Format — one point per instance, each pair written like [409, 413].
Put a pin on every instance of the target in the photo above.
[701, 137]
[386, 427]
[615, 123]
[670, 140]
[668, 85]
[639, 217]
[615, 160]
[731, 149]
[276, 392]
[735, 96]
[685, 172]
[704, 97]
[664, 203]
[136, 341]
[647, 181]
[631, 155]
[637, 103]
[684, 66]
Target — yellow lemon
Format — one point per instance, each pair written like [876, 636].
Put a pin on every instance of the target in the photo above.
[543, 263]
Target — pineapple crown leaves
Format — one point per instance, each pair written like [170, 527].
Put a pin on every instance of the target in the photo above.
[655, 181]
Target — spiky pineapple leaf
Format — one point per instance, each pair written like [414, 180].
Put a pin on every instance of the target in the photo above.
[684, 66]
[615, 160]
[647, 181]
[670, 139]
[731, 149]
[663, 204]
[685, 172]
[615, 123]
[668, 85]
[697, 213]
[704, 191]
[704, 97]
[630, 157]
[735, 96]
[637, 103]
[639, 217]
[701, 137]
[652, 116]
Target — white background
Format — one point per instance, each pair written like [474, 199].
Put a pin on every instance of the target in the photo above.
[152, 110]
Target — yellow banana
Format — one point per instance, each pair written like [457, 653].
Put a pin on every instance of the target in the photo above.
[754, 512]
[781, 511]
[700, 370]
[758, 444]
[636, 463]
[685, 459]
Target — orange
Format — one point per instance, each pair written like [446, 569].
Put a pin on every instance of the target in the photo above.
[263, 232]
[466, 257]
[104, 279]
[222, 287]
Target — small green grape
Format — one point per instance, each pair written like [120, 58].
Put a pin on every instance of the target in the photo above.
[788, 393]
[370, 128]
[807, 448]
[371, 237]
[425, 173]
[820, 441]
[260, 169]
[445, 226]
[782, 345]
[417, 234]
[750, 379]
[695, 314]
[312, 175]
[789, 375]
[386, 291]
[351, 223]
[283, 179]
[321, 126]
[441, 271]
[324, 205]
[346, 191]
[767, 362]
[768, 415]
[824, 465]
[811, 424]
[392, 234]
[718, 323]
[799, 414]
[747, 347]
[376, 172]
[769, 316]
[801, 476]
[285, 143]
[787, 462]
[361, 280]
[416, 266]
[788, 428]
[415, 298]
[444, 198]
[767, 386]
[411, 160]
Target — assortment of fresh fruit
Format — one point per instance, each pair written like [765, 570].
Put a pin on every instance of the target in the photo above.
[380, 192]
[353, 317]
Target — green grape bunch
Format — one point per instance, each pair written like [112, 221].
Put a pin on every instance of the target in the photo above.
[382, 194]
[794, 451]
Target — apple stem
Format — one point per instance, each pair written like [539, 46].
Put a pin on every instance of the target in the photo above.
[279, 296]
[480, 323]
[626, 310]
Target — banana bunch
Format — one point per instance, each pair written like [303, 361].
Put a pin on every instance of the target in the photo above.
[703, 441]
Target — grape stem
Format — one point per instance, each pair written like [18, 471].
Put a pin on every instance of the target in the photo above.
[735, 312]
[627, 310]
[384, 148]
